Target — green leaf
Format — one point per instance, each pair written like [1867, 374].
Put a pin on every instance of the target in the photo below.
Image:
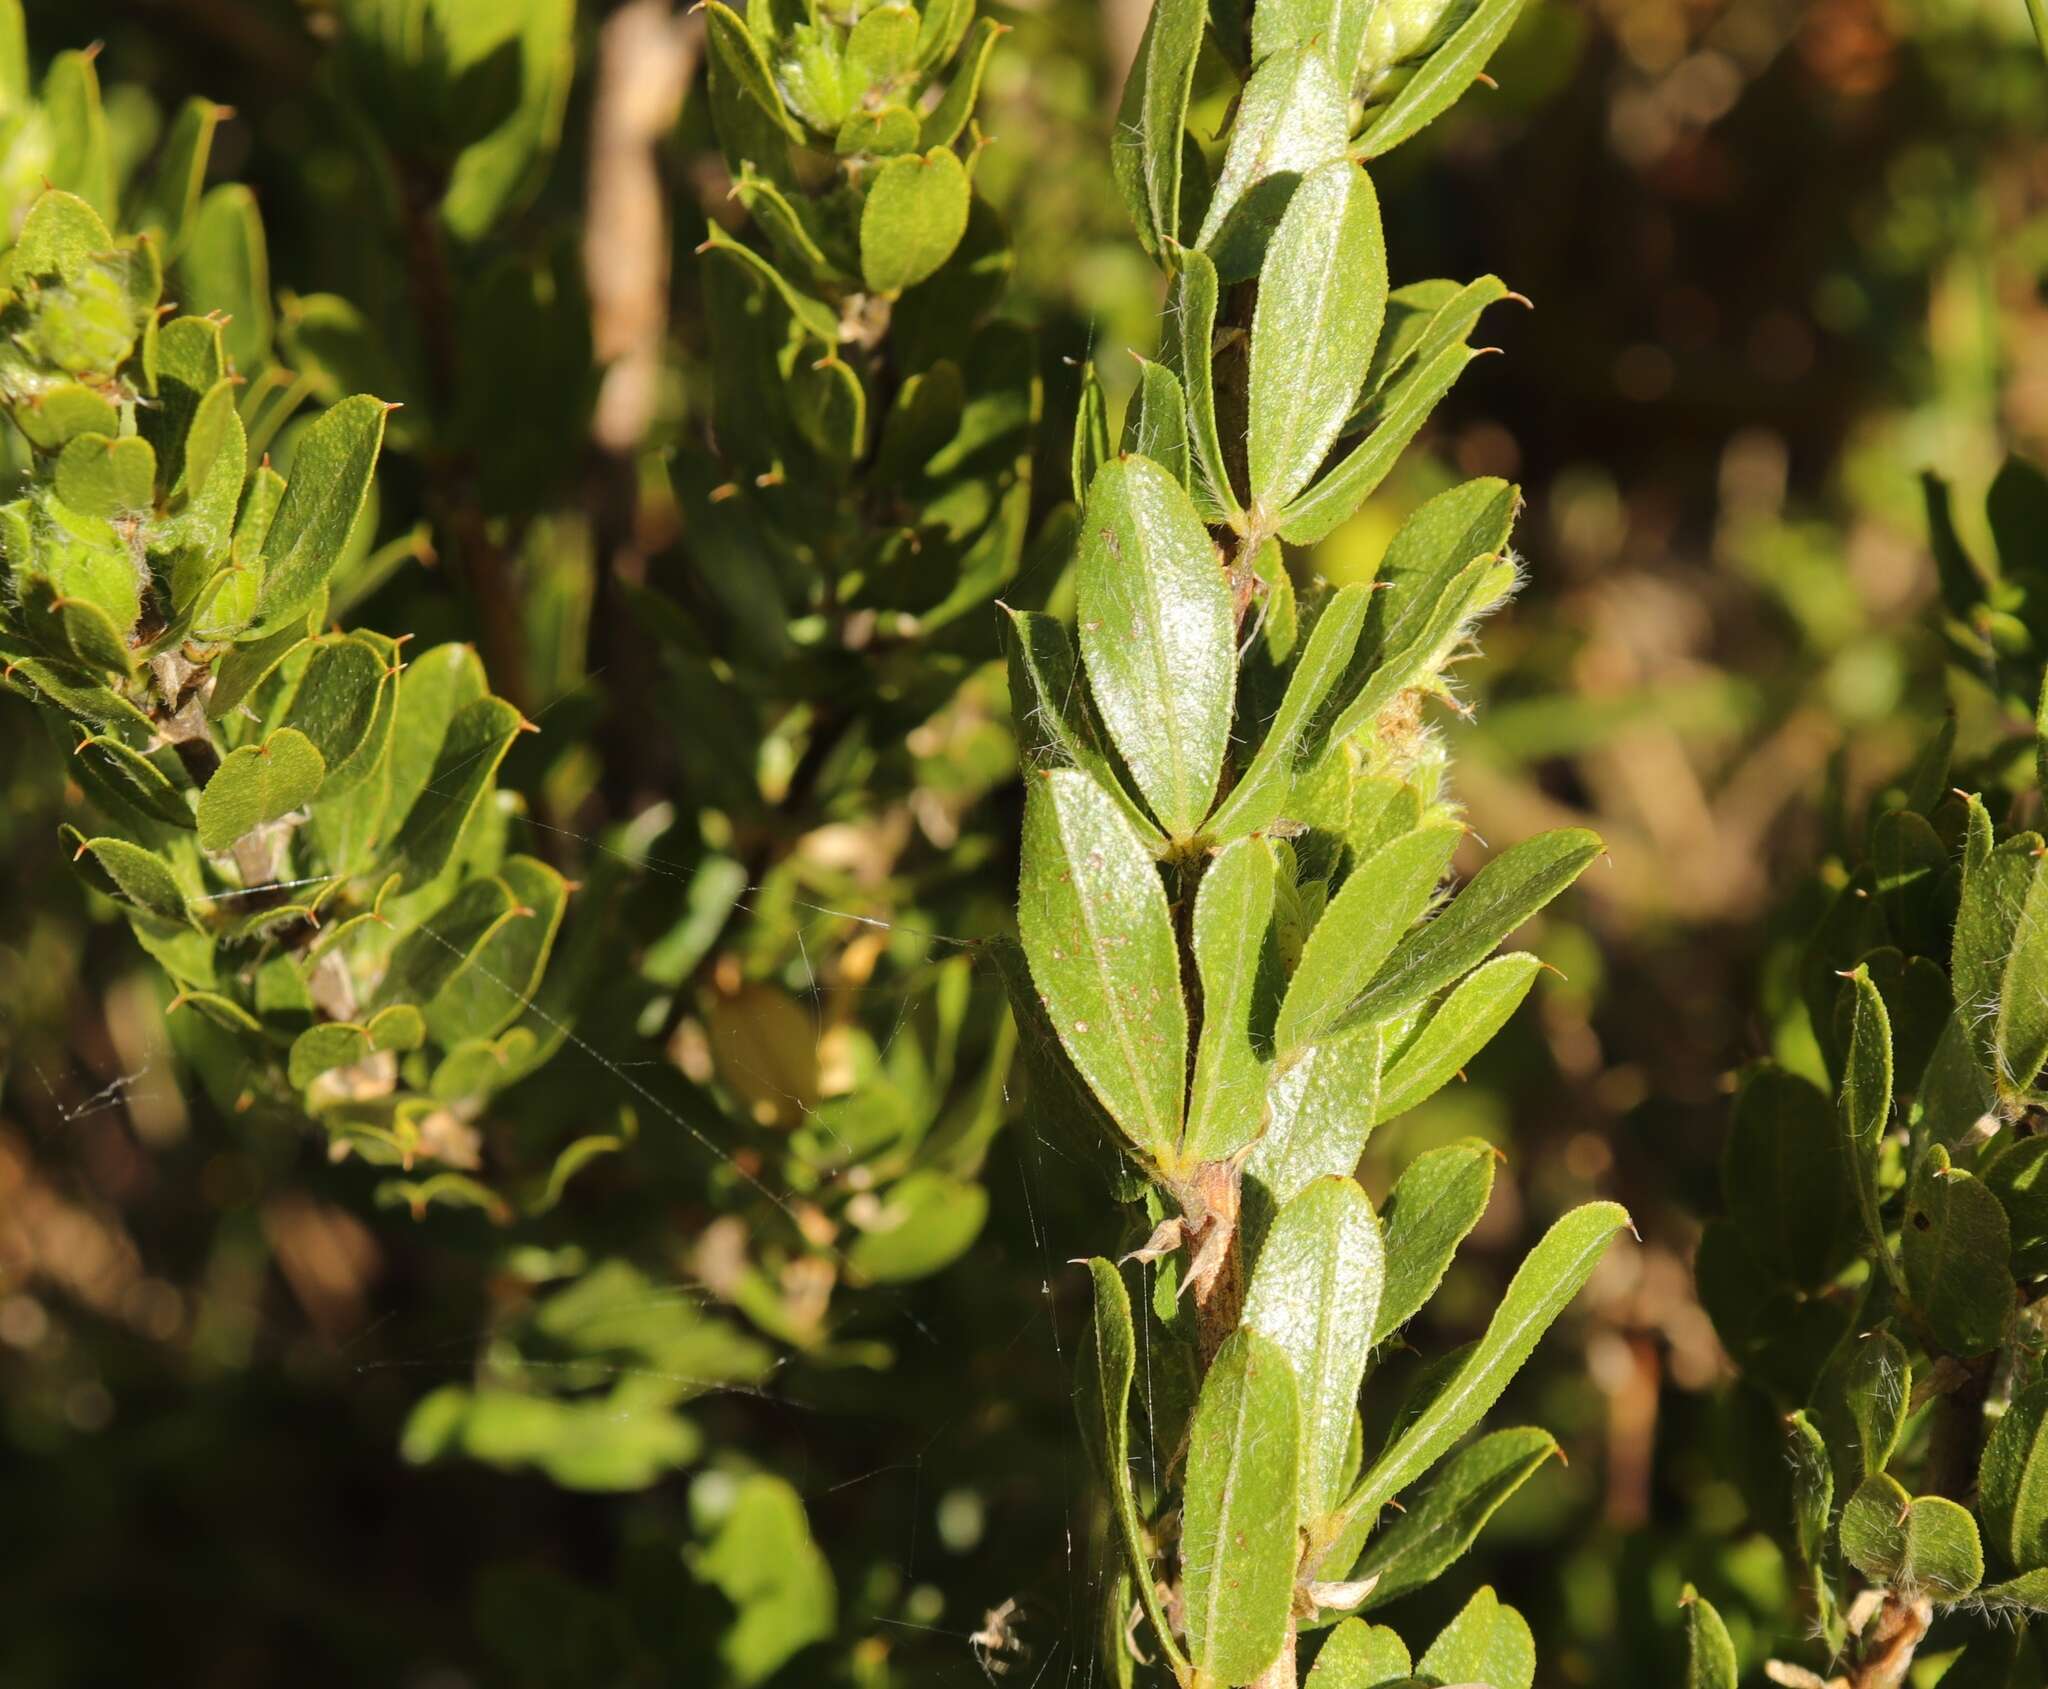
[498, 170]
[915, 214]
[434, 687]
[1455, 1030]
[815, 316]
[1106, 1424]
[320, 1049]
[1293, 116]
[224, 266]
[1238, 1542]
[1547, 1280]
[1315, 1293]
[2012, 1482]
[2016, 1172]
[98, 476]
[1863, 1111]
[1315, 514]
[1158, 635]
[1091, 432]
[1877, 1387]
[1360, 1656]
[1784, 1177]
[1156, 421]
[1319, 1110]
[81, 158]
[887, 132]
[2020, 1039]
[256, 785]
[1440, 1524]
[942, 127]
[498, 980]
[1233, 912]
[1813, 1490]
[1291, 739]
[1997, 887]
[1191, 314]
[478, 737]
[1442, 77]
[1925, 1544]
[1488, 1642]
[172, 199]
[1100, 942]
[1436, 1202]
[337, 704]
[1956, 1246]
[444, 942]
[1501, 896]
[830, 409]
[764, 1561]
[140, 876]
[330, 480]
[737, 56]
[1320, 305]
[1709, 1653]
[882, 44]
[928, 1220]
[1053, 715]
[1145, 148]
[1384, 896]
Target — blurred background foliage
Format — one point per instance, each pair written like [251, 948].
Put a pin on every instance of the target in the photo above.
[1781, 257]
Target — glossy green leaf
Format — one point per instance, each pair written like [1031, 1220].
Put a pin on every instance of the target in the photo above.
[1381, 900]
[1158, 635]
[1438, 1199]
[258, 784]
[1145, 147]
[1548, 1278]
[1440, 1523]
[915, 214]
[1238, 1542]
[1320, 306]
[1956, 1249]
[1095, 925]
[1315, 1293]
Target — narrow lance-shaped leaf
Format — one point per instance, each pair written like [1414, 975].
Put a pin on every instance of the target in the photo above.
[1233, 909]
[1100, 942]
[1192, 317]
[1381, 900]
[1316, 1292]
[1547, 1280]
[1440, 1524]
[1115, 1364]
[1238, 1542]
[1454, 1031]
[1864, 1110]
[1709, 1653]
[1158, 635]
[1156, 420]
[1145, 151]
[1334, 499]
[1322, 297]
[1502, 895]
[1443, 76]
[1054, 717]
[1292, 117]
[1257, 797]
